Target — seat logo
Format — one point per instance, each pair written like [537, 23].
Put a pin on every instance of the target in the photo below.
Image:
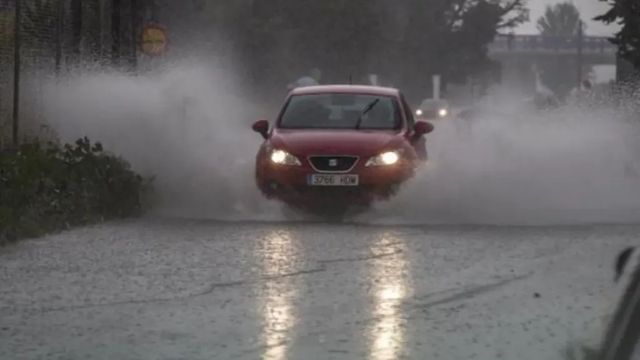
[333, 162]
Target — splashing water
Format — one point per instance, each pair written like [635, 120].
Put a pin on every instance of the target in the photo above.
[189, 126]
[571, 165]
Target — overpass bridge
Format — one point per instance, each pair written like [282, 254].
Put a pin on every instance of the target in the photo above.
[595, 49]
[522, 55]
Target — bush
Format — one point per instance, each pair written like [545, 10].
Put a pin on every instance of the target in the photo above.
[45, 187]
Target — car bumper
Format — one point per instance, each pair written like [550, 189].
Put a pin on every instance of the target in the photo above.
[290, 184]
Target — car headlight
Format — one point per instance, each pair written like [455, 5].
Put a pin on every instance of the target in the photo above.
[419, 112]
[385, 159]
[443, 112]
[281, 157]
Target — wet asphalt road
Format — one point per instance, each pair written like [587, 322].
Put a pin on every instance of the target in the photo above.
[180, 289]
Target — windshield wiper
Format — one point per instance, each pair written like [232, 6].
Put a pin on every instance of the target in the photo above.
[365, 111]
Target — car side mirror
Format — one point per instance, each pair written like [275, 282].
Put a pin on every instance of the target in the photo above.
[422, 128]
[622, 260]
[262, 128]
[621, 337]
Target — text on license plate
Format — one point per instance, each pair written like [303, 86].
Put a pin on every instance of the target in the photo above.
[333, 180]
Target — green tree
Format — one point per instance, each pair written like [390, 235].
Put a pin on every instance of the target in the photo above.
[627, 13]
[38, 21]
[405, 42]
[560, 20]
[6, 29]
[281, 40]
[451, 38]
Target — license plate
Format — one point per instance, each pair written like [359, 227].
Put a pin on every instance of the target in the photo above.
[333, 180]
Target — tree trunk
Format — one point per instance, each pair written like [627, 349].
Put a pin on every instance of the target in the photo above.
[76, 29]
[135, 16]
[115, 31]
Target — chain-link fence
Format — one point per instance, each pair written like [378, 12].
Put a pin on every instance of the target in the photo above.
[7, 26]
[49, 38]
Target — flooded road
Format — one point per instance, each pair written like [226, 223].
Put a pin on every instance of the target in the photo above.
[185, 289]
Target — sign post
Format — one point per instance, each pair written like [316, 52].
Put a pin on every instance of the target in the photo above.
[437, 81]
[579, 55]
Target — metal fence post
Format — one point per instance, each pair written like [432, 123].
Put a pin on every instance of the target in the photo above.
[16, 72]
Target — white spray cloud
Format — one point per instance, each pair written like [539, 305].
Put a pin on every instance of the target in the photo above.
[189, 125]
[571, 165]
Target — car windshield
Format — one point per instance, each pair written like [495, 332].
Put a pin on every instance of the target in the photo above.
[341, 111]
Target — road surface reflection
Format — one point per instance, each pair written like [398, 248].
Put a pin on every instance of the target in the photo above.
[391, 285]
[277, 254]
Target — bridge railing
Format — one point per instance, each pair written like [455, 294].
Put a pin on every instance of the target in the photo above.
[539, 43]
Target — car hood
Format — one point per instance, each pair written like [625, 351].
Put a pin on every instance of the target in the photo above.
[335, 142]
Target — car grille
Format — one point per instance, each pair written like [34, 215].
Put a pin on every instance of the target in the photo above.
[431, 114]
[333, 163]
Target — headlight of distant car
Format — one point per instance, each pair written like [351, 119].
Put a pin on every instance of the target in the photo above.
[281, 157]
[443, 112]
[419, 112]
[385, 159]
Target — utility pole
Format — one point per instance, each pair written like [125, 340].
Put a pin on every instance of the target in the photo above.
[135, 13]
[16, 72]
[437, 83]
[76, 28]
[154, 11]
[580, 58]
[59, 35]
[115, 32]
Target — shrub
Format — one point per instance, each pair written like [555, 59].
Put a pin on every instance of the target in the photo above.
[46, 187]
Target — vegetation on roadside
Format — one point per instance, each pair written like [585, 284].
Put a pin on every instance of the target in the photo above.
[48, 187]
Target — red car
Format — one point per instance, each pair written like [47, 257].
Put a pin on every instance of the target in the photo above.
[335, 148]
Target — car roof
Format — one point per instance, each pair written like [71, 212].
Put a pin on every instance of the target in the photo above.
[346, 89]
